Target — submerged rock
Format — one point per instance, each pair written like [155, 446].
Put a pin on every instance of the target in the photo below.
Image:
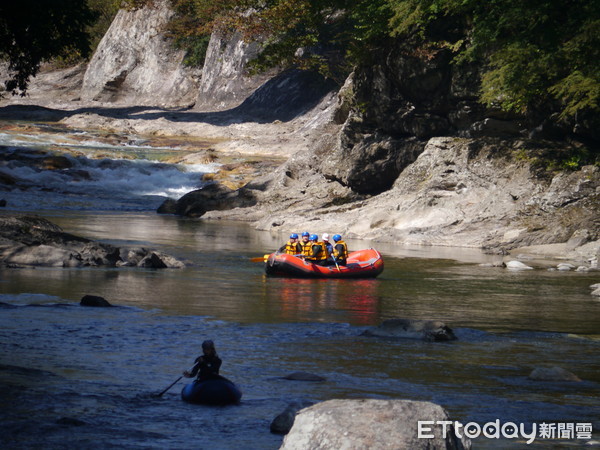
[372, 424]
[427, 330]
[552, 374]
[303, 376]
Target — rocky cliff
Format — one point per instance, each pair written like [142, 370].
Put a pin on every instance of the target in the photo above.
[135, 64]
[411, 156]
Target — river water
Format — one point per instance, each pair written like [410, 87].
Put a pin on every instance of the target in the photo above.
[76, 377]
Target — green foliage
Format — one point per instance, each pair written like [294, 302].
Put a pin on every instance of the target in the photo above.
[535, 51]
[33, 31]
[331, 34]
[195, 47]
[104, 11]
[549, 160]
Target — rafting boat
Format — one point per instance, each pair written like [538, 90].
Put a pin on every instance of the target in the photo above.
[366, 263]
[215, 391]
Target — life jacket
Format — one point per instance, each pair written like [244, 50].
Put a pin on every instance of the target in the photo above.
[291, 248]
[322, 255]
[306, 248]
[343, 254]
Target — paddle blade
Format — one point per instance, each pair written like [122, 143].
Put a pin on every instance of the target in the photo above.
[170, 386]
[260, 258]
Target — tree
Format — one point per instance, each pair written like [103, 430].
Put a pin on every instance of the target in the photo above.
[532, 52]
[34, 31]
[323, 35]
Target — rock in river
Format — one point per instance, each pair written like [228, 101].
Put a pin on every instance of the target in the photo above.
[94, 300]
[427, 330]
[552, 374]
[372, 424]
[34, 241]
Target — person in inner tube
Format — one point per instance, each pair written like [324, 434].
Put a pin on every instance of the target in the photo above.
[207, 365]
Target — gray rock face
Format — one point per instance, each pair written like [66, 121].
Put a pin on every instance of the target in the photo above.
[405, 95]
[224, 83]
[211, 197]
[369, 163]
[427, 330]
[135, 64]
[372, 424]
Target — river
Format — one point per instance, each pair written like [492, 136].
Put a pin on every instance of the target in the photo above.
[76, 377]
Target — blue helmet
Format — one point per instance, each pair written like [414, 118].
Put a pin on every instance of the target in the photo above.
[305, 233]
[337, 237]
[314, 237]
[293, 236]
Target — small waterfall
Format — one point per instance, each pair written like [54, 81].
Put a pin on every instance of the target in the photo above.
[62, 169]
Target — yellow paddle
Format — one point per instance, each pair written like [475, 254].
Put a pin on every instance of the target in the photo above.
[260, 258]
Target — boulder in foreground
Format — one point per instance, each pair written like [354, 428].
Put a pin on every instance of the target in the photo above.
[373, 424]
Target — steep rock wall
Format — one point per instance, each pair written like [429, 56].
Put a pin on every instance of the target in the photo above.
[135, 64]
[224, 83]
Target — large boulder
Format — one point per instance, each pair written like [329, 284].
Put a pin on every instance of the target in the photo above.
[426, 330]
[94, 300]
[373, 424]
[214, 196]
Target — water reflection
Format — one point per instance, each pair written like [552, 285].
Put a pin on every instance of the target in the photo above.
[356, 301]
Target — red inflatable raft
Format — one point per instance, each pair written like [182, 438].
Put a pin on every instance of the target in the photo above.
[366, 263]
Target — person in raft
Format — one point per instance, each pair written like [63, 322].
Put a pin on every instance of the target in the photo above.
[291, 247]
[207, 365]
[340, 250]
[319, 254]
[305, 244]
[328, 244]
